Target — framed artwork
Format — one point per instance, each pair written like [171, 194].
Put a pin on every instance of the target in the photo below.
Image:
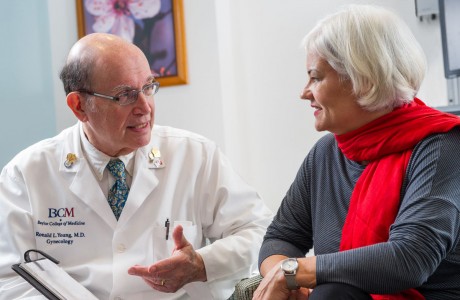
[155, 26]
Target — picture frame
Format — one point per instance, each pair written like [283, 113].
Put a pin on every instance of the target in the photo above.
[161, 37]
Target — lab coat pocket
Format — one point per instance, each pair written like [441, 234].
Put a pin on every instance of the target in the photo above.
[163, 247]
[190, 234]
[190, 231]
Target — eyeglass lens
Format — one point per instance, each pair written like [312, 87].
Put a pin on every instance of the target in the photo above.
[131, 96]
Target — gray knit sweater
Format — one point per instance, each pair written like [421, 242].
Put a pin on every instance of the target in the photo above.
[423, 250]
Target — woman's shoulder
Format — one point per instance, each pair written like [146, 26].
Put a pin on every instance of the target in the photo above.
[325, 147]
[437, 155]
[447, 142]
[325, 150]
[326, 142]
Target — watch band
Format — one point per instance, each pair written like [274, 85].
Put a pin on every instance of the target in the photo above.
[290, 280]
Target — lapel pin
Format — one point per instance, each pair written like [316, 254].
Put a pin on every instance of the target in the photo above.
[155, 158]
[70, 160]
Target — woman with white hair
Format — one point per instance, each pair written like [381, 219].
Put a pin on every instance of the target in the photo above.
[379, 198]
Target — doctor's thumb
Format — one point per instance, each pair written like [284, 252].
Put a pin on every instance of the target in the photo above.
[179, 239]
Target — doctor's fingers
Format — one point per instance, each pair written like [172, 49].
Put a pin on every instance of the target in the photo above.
[182, 272]
[179, 239]
[180, 259]
[138, 270]
[163, 285]
[186, 267]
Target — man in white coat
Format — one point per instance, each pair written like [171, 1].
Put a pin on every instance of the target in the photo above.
[190, 228]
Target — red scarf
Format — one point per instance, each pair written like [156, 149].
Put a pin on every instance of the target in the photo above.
[387, 144]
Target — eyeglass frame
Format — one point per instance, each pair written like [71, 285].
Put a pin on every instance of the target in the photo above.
[155, 85]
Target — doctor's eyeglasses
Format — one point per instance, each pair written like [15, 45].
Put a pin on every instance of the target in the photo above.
[128, 97]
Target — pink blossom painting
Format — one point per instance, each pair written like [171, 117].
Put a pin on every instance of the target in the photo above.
[155, 26]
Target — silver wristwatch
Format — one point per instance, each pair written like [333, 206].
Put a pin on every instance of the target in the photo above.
[289, 266]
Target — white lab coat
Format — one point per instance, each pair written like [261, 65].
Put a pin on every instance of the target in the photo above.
[62, 211]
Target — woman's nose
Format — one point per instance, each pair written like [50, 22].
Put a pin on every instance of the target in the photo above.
[306, 94]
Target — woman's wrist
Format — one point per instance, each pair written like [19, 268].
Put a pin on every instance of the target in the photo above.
[306, 273]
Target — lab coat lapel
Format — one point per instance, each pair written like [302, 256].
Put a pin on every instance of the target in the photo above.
[143, 183]
[84, 184]
[85, 187]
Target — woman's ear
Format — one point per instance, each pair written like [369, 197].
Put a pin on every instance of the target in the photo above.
[74, 102]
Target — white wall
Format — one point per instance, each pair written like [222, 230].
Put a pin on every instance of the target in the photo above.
[246, 70]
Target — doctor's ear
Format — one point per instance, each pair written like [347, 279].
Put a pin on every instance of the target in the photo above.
[74, 102]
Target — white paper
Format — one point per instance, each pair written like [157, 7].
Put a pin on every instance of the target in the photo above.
[57, 280]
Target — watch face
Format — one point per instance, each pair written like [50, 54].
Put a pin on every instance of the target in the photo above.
[290, 265]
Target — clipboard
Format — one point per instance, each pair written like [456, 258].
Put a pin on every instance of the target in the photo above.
[48, 278]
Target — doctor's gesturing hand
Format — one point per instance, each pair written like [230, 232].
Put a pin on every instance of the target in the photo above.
[168, 275]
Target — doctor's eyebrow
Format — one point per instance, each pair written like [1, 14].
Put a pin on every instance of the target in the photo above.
[124, 87]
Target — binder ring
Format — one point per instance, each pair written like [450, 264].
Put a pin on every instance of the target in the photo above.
[27, 256]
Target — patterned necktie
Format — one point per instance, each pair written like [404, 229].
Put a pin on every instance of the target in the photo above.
[119, 191]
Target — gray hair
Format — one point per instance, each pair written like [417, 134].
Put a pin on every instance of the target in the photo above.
[373, 48]
[76, 75]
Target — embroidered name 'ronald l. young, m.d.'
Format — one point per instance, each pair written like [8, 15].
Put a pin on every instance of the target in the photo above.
[60, 227]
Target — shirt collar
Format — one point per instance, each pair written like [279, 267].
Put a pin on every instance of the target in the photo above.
[98, 160]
